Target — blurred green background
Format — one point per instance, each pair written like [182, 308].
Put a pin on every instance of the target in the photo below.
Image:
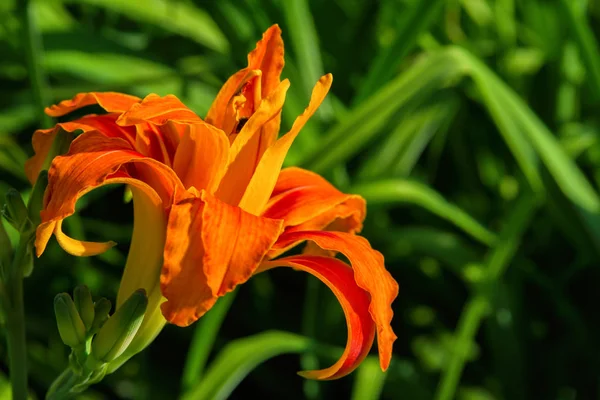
[471, 128]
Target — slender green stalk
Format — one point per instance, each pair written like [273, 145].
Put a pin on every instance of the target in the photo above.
[15, 326]
[203, 341]
[468, 326]
[309, 360]
[32, 45]
[477, 307]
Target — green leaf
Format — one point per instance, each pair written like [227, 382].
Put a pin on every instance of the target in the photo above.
[421, 16]
[478, 305]
[366, 121]
[397, 191]
[203, 341]
[513, 115]
[369, 380]
[116, 69]
[449, 248]
[575, 17]
[239, 358]
[179, 17]
[305, 43]
[400, 151]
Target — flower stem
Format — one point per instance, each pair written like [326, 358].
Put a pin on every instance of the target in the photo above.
[15, 327]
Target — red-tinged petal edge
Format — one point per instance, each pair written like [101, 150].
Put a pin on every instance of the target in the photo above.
[369, 273]
[354, 301]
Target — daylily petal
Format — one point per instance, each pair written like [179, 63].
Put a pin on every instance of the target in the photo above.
[109, 101]
[158, 142]
[211, 247]
[306, 201]
[244, 155]
[158, 110]
[43, 138]
[354, 301]
[93, 160]
[267, 57]
[369, 273]
[201, 157]
[263, 181]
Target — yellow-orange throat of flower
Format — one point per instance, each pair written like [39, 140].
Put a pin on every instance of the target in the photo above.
[213, 205]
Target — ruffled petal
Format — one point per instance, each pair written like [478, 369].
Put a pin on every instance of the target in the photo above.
[244, 153]
[201, 157]
[43, 138]
[158, 110]
[306, 201]
[211, 247]
[354, 301]
[109, 101]
[369, 273]
[265, 176]
[94, 160]
[266, 57]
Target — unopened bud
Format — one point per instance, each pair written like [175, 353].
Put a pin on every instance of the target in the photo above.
[70, 325]
[5, 248]
[116, 334]
[16, 212]
[85, 305]
[27, 265]
[36, 199]
[101, 310]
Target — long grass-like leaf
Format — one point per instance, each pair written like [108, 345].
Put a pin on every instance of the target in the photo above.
[180, 17]
[397, 191]
[239, 358]
[367, 120]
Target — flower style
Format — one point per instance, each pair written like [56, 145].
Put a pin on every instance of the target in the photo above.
[212, 206]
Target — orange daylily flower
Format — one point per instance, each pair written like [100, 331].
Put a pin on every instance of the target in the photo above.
[212, 205]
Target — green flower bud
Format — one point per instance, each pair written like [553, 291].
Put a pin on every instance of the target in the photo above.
[70, 325]
[36, 200]
[101, 310]
[6, 250]
[16, 212]
[27, 265]
[116, 334]
[85, 305]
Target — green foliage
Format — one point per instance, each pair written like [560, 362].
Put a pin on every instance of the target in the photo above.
[471, 128]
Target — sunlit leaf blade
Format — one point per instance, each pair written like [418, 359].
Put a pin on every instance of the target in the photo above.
[305, 43]
[116, 69]
[367, 120]
[400, 151]
[239, 358]
[179, 17]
